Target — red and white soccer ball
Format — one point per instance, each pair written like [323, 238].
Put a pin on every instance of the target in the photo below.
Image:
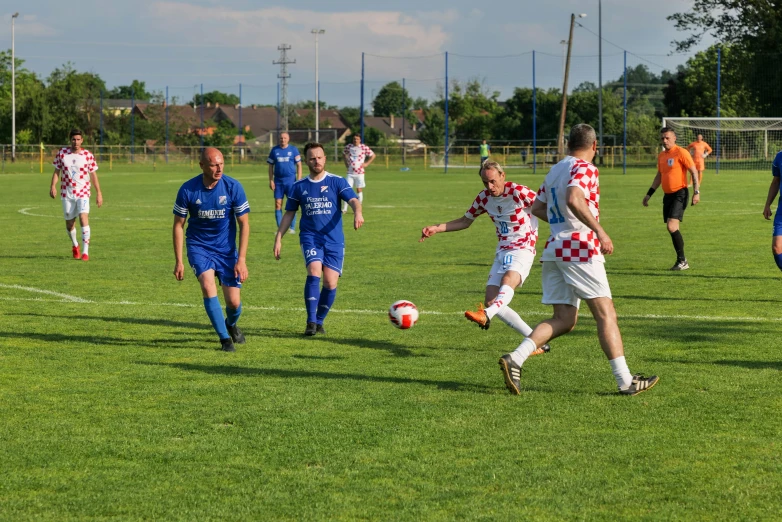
[403, 314]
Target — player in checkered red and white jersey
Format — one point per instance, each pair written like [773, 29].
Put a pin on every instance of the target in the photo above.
[77, 171]
[573, 264]
[508, 205]
[357, 157]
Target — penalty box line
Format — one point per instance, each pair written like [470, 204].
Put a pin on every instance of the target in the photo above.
[66, 299]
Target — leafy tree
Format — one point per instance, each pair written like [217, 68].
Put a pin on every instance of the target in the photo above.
[136, 90]
[433, 132]
[73, 101]
[391, 99]
[215, 97]
[31, 108]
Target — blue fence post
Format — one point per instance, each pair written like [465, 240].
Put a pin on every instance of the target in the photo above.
[624, 123]
[166, 123]
[132, 124]
[278, 110]
[445, 158]
[100, 149]
[361, 109]
[719, 67]
[534, 119]
[202, 117]
[241, 129]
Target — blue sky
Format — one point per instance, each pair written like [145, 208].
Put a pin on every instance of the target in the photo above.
[182, 44]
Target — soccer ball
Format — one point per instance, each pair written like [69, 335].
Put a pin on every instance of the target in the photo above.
[403, 314]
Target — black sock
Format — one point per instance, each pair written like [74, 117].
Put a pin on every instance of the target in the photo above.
[678, 245]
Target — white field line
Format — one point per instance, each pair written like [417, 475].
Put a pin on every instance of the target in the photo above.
[73, 299]
[26, 212]
[65, 297]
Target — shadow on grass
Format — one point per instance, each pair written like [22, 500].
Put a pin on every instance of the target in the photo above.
[665, 272]
[127, 320]
[298, 374]
[40, 256]
[750, 365]
[94, 339]
[318, 357]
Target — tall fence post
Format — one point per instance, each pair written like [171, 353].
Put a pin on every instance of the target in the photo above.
[624, 123]
[361, 109]
[100, 149]
[534, 119]
[241, 129]
[166, 123]
[132, 124]
[278, 110]
[202, 117]
[445, 158]
[719, 67]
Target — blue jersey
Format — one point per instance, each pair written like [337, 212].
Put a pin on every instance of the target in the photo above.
[284, 161]
[320, 206]
[776, 165]
[213, 213]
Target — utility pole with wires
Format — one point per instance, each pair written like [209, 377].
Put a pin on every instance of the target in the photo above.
[283, 76]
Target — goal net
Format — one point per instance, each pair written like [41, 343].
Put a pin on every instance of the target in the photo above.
[737, 143]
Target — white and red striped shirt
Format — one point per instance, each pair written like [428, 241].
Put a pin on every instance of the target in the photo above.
[75, 169]
[356, 155]
[571, 240]
[516, 227]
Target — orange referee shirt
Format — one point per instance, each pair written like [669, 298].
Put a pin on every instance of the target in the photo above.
[700, 148]
[673, 165]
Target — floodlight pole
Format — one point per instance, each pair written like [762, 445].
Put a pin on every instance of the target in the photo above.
[13, 88]
[563, 110]
[317, 32]
[600, 79]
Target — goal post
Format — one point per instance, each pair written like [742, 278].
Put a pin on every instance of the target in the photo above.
[737, 143]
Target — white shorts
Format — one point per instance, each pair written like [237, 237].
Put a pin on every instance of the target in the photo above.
[517, 260]
[72, 207]
[568, 283]
[356, 180]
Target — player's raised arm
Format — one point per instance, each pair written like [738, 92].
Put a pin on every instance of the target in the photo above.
[451, 226]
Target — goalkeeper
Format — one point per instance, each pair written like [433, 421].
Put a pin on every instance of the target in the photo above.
[699, 150]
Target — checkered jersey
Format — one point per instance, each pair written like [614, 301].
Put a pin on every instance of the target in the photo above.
[356, 156]
[516, 227]
[571, 240]
[75, 168]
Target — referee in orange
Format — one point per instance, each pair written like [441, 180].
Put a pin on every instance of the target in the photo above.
[673, 163]
[699, 150]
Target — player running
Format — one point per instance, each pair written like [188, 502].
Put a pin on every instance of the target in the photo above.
[573, 263]
[284, 170]
[320, 233]
[78, 168]
[699, 150]
[508, 205]
[216, 203]
[355, 157]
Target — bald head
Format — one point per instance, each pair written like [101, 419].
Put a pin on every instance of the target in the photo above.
[211, 165]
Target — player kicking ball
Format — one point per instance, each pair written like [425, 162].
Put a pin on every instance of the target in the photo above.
[320, 233]
[75, 168]
[216, 203]
[507, 204]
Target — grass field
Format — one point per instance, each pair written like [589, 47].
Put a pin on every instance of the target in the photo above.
[116, 404]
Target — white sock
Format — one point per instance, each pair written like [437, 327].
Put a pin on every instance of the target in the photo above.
[509, 316]
[72, 235]
[503, 299]
[525, 349]
[85, 237]
[621, 372]
[361, 197]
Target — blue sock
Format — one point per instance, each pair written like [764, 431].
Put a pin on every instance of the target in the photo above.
[327, 296]
[233, 315]
[293, 222]
[778, 259]
[215, 313]
[278, 217]
[311, 289]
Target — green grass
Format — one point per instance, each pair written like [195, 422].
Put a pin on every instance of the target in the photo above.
[119, 406]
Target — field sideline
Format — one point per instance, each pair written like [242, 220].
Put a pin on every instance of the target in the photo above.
[116, 403]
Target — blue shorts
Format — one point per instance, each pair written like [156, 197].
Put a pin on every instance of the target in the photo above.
[330, 255]
[283, 187]
[778, 221]
[223, 266]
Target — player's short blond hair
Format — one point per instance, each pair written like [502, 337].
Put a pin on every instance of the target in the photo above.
[489, 164]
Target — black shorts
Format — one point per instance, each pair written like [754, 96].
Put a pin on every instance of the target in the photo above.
[674, 204]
